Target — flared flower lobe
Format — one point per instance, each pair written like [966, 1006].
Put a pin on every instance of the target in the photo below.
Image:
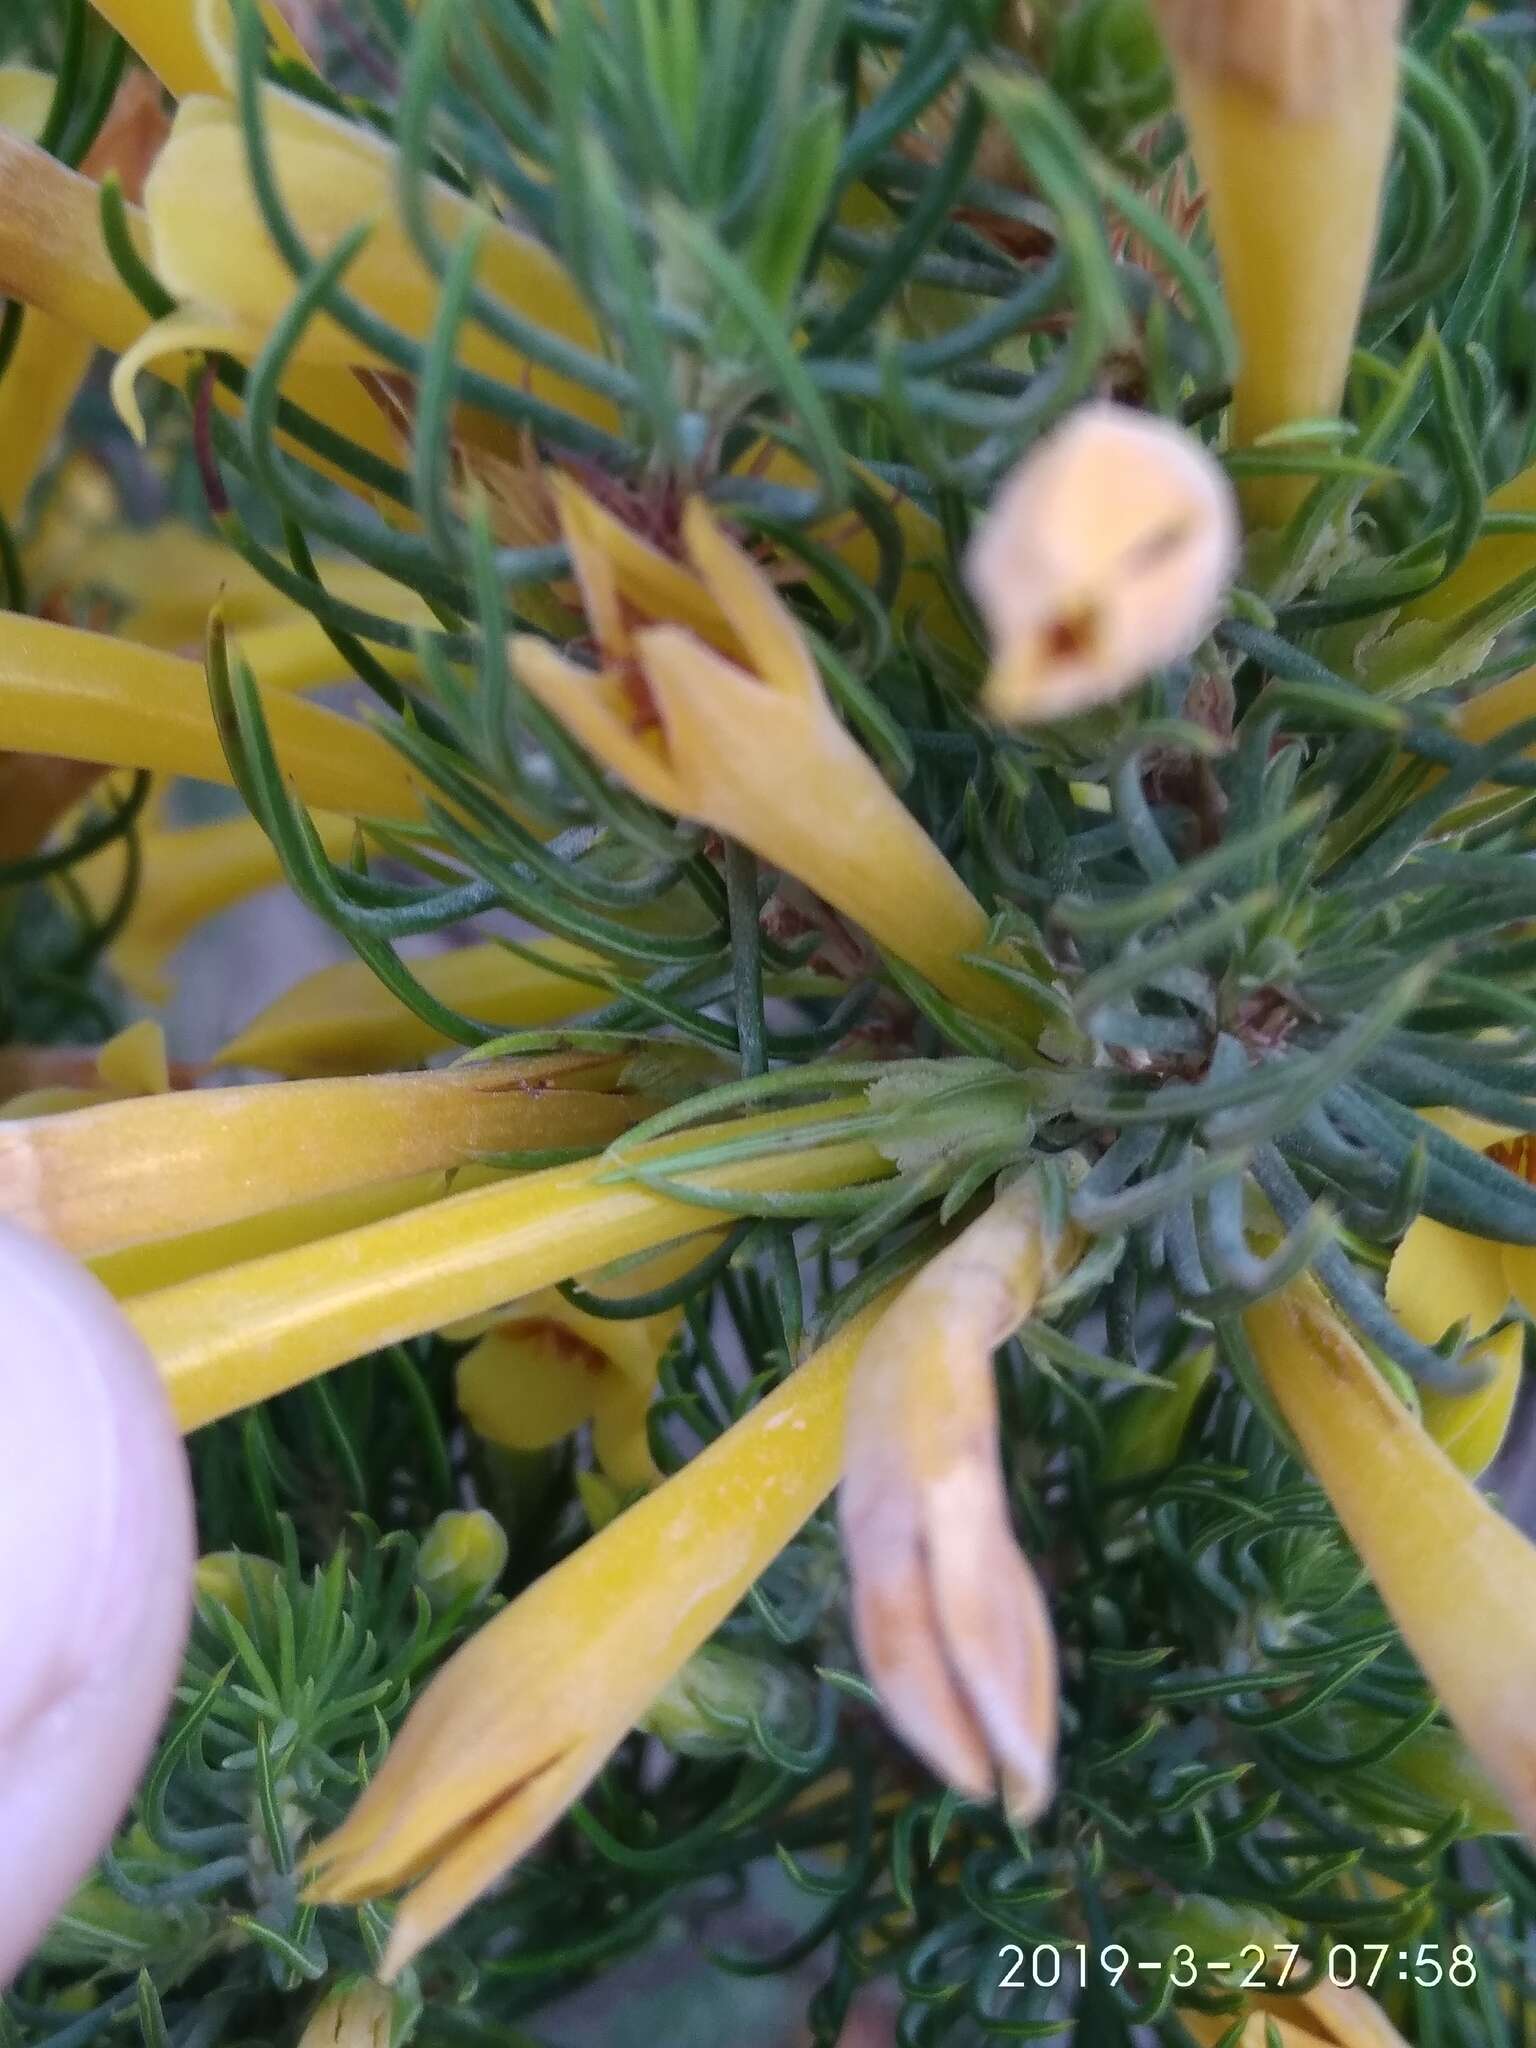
[951, 1621]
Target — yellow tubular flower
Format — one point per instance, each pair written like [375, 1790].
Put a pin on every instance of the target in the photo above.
[727, 742]
[51, 251]
[546, 1367]
[237, 1336]
[1459, 1580]
[951, 1622]
[49, 359]
[1440, 1277]
[296, 653]
[174, 43]
[53, 257]
[168, 578]
[89, 698]
[1491, 562]
[185, 877]
[209, 246]
[38, 388]
[1290, 106]
[167, 1261]
[342, 1019]
[127, 1172]
[1343, 2014]
[524, 1717]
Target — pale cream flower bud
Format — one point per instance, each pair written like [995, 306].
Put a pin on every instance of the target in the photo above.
[1104, 554]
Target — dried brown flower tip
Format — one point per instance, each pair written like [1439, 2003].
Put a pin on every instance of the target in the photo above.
[1301, 55]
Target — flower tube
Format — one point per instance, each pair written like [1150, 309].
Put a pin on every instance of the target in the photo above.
[342, 1019]
[166, 579]
[96, 1180]
[167, 1261]
[951, 1622]
[173, 38]
[90, 698]
[232, 1337]
[1459, 1581]
[53, 257]
[757, 752]
[1290, 107]
[96, 1530]
[49, 360]
[209, 246]
[523, 1718]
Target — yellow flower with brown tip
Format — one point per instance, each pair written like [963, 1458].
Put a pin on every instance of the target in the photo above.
[1459, 1580]
[1290, 107]
[1103, 555]
[714, 718]
[951, 1623]
[522, 1719]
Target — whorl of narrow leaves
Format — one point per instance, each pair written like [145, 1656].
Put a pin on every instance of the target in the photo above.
[889, 838]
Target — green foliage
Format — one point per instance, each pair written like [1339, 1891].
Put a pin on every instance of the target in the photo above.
[1282, 895]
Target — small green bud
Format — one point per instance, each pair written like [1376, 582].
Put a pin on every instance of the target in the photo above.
[240, 1582]
[1433, 1771]
[710, 1707]
[99, 1929]
[462, 1556]
[1215, 1932]
[1145, 1430]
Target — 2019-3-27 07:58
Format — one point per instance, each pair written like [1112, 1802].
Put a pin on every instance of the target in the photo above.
[1253, 1969]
